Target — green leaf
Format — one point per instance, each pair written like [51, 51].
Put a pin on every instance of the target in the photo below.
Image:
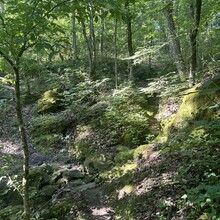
[52, 54]
[209, 91]
[184, 196]
[210, 81]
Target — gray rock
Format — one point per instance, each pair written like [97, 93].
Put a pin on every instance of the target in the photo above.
[77, 182]
[85, 187]
[72, 174]
[48, 191]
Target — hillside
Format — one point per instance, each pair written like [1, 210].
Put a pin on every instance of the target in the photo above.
[132, 153]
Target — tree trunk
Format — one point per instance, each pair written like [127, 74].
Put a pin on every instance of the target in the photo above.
[129, 38]
[116, 53]
[89, 51]
[102, 34]
[25, 182]
[74, 43]
[93, 37]
[196, 14]
[173, 41]
[129, 28]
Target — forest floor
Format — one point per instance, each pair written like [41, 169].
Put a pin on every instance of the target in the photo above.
[10, 144]
[153, 175]
[153, 189]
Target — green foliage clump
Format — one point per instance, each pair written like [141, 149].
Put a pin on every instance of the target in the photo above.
[60, 209]
[47, 143]
[11, 212]
[125, 119]
[48, 130]
[126, 208]
[49, 124]
[200, 178]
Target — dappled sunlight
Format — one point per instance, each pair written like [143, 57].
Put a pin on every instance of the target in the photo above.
[8, 147]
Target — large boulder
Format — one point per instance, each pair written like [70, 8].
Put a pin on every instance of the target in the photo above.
[49, 102]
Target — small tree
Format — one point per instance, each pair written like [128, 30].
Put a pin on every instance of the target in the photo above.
[23, 25]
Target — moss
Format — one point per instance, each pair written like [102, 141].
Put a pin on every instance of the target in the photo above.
[204, 216]
[124, 155]
[60, 210]
[128, 167]
[194, 106]
[142, 151]
[97, 162]
[48, 191]
[49, 102]
[47, 143]
[49, 124]
[126, 190]
[81, 146]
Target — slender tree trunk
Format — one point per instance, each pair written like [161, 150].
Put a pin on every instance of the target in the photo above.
[102, 36]
[25, 182]
[173, 41]
[129, 37]
[89, 51]
[116, 53]
[74, 36]
[150, 55]
[196, 14]
[129, 28]
[93, 37]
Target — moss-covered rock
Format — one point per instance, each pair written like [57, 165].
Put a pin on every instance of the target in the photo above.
[193, 106]
[97, 162]
[61, 209]
[48, 191]
[49, 102]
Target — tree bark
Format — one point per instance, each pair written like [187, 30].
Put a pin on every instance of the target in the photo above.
[74, 43]
[102, 34]
[129, 37]
[25, 181]
[89, 51]
[93, 37]
[196, 14]
[129, 28]
[173, 41]
[116, 53]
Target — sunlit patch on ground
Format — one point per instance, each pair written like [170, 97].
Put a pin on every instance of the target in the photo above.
[7, 147]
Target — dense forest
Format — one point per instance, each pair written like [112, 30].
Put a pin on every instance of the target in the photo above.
[110, 109]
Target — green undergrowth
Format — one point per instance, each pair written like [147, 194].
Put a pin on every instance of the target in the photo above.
[48, 130]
